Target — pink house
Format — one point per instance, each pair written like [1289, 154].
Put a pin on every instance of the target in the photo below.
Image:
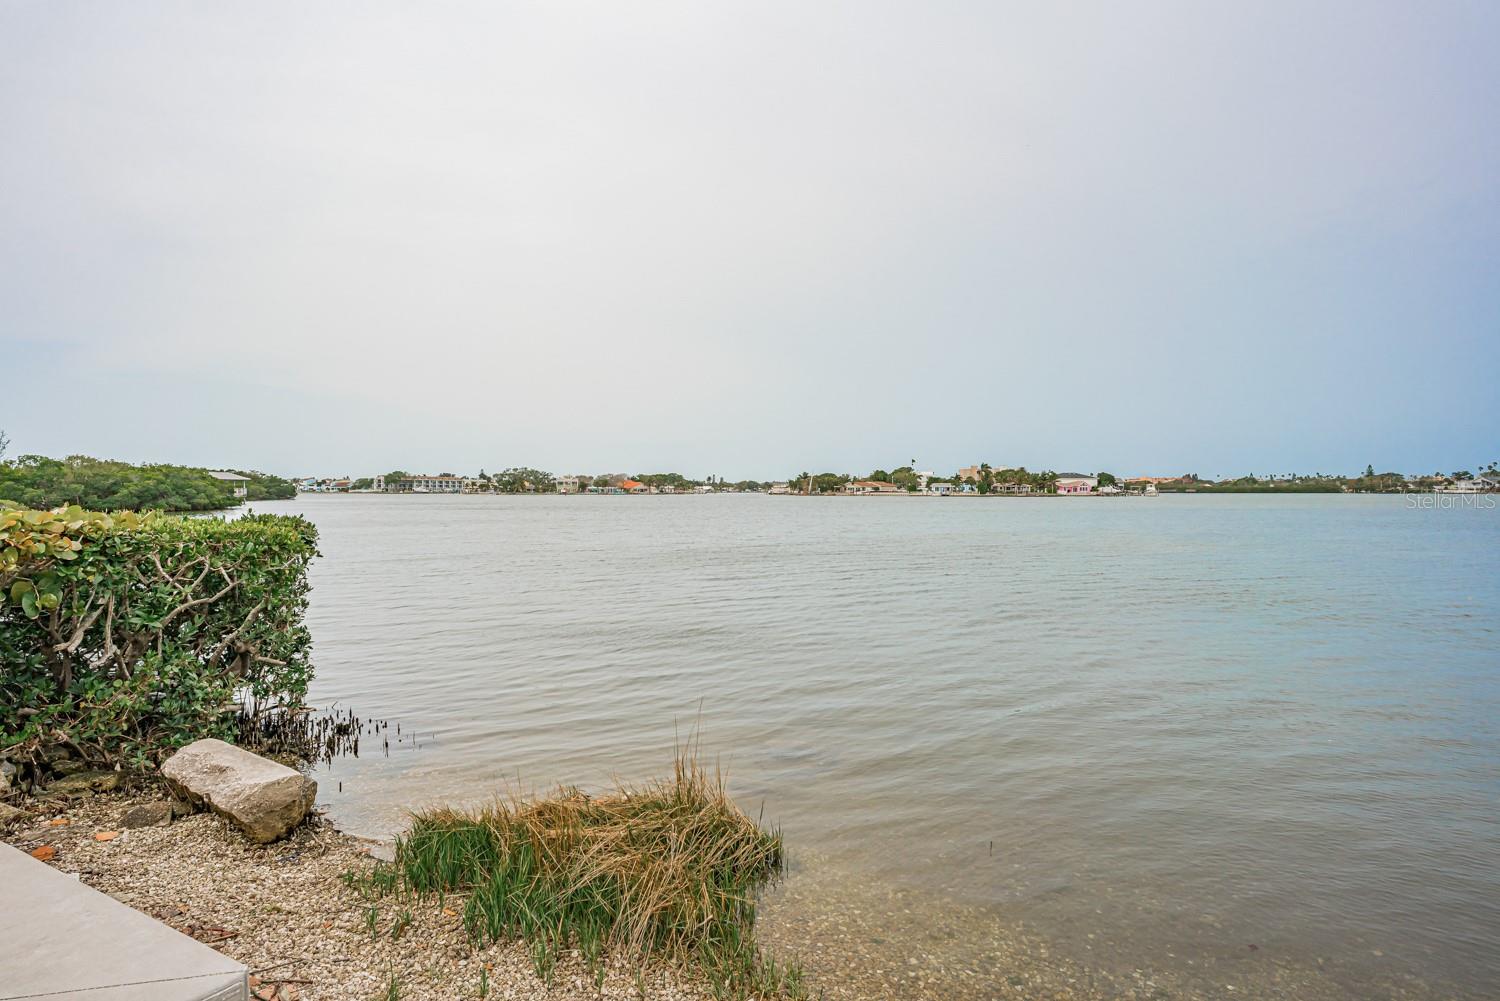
[1077, 484]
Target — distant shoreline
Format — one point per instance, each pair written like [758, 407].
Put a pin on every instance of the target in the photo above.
[922, 495]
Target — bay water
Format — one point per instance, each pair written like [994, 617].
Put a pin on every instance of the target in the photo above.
[1262, 728]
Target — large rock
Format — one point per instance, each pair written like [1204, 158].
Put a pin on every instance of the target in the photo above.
[264, 798]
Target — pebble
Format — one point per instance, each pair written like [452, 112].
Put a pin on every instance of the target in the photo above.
[199, 874]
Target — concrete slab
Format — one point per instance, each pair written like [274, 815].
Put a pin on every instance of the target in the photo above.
[62, 939]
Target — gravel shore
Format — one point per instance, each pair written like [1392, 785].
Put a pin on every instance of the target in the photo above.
[286, 911]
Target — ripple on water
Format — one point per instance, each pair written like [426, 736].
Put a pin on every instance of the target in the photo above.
[1185, 725]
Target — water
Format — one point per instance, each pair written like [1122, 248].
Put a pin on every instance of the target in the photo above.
[1180, 726]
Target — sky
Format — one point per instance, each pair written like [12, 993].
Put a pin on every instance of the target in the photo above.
[751, 239]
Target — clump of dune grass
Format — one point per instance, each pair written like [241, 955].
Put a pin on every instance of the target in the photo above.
[666, 870]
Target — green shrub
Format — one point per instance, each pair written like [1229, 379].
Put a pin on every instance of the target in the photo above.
[127, 635]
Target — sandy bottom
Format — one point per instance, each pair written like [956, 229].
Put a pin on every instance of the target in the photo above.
[862, 941]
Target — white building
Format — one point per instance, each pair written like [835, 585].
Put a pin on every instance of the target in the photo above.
[425, 484]
[238, 485]
[567, 484]
[1478, 485]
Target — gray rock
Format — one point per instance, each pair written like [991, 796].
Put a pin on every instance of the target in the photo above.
[265, 799]
[147, 815]
[83, 783]
[10, 816]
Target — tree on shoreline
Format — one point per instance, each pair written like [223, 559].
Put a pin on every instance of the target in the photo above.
[523, 479]
[35, 481]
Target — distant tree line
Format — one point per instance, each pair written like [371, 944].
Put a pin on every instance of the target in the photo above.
[985, 479]
[1316, 483]
[36, 481]
[525, 479]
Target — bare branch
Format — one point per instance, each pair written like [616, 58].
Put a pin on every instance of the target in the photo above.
[109, 635]
[224, 643]
[73, 641]
[196, 602]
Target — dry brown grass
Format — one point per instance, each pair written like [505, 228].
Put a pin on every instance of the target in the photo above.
[667, 869]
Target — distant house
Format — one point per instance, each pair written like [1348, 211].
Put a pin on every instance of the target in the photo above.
[941, 489]
[634, 487]
[780, 488]
[307, 485]
[872, 487]
[1474, 485]
[238, 485]
[567, 484]
[1018, 489]
[1073, 483]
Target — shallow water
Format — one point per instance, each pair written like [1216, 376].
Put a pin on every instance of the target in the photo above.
[1156, 731]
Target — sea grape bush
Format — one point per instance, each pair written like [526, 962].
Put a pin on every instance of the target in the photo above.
[126, 635]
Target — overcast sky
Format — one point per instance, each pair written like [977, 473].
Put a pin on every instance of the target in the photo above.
[751, 239]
